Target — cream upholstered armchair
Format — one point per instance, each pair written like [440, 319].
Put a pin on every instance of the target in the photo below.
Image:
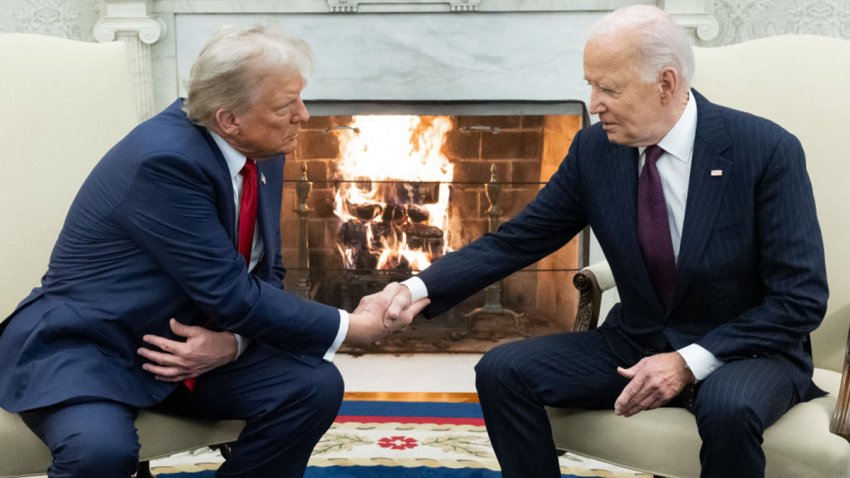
[64, 104]
[799, 82]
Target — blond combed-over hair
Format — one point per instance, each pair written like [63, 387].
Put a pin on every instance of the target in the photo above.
[233, 61]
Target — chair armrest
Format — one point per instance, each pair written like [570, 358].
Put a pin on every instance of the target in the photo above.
[841, 417]
[591, 282]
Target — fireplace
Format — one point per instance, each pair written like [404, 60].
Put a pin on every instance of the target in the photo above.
[394, 186]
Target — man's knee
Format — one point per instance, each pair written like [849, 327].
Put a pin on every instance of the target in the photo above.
[318, 392]
[495, 368]
[96, 439]
[746, 396]
[96, 455]
[327, 388]
[313, 406]
[730, 414]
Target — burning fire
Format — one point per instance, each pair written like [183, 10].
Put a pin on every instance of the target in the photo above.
[394, 192]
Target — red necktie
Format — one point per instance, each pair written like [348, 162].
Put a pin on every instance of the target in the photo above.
[247, 220]
[653, 228]
[247, 210]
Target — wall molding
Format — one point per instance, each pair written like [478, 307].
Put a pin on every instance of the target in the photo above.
[132, 22]
[149, 29]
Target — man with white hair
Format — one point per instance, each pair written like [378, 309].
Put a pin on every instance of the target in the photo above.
[175, 234]
[707, 219]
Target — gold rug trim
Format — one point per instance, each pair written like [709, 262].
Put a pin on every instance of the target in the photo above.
[450, 397]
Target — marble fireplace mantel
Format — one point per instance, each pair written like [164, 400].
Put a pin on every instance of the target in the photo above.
[388, 49]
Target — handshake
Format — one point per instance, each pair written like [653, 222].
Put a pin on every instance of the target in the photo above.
[381, 313]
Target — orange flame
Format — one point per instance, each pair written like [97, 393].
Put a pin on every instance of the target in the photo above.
[392, 168]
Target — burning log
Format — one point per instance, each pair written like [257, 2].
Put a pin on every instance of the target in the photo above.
[365, 260]
[352, 233]
[366, 212]
[396, 262]
[417, 214]
[376, 242]
[393, 213]
[419, 192]
[425, 238]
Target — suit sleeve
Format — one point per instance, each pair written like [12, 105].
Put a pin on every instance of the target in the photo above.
[170, 211]
[278, 270]
[791, 263]
[546, 224]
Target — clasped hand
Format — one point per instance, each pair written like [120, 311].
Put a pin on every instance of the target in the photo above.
[381, 313]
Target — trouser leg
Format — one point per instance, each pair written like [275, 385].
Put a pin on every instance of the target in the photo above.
[516, 381]
[288, 405]
[88, 440]
[733, 407]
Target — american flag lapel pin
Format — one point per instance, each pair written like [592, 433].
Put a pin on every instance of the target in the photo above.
[263, 178]
[714, 173]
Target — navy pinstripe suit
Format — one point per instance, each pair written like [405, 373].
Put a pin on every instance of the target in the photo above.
[751, 285]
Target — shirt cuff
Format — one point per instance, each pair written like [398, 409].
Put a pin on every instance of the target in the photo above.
[242, 343]
[340, 336]
[701, 362]
[417, 288]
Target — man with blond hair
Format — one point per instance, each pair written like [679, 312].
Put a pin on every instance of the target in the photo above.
[170, 249]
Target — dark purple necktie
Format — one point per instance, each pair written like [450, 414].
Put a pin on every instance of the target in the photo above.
[653, 229]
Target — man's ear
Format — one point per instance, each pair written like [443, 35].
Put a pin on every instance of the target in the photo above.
[669, 83]
[227, 122]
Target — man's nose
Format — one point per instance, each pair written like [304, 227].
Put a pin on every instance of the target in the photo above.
[595, 106]
[301, 114]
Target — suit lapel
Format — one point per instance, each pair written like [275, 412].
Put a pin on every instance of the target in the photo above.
[227, 207]
[623, 176]
[710, 173]
[264, 214]
[622, 164]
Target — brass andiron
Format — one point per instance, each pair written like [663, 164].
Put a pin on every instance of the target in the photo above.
[302, 190]
[493, 292]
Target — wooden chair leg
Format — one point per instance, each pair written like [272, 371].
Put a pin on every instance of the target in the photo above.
[224, 449]
[144, 470]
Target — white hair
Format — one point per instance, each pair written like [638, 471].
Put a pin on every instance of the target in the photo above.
[233, 61]
[661, 42]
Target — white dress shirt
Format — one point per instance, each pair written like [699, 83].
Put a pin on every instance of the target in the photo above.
[235, 162]
[674, 167]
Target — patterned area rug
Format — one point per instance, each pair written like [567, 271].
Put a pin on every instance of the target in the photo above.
[399, 440]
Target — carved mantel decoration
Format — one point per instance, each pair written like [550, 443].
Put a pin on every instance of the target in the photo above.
[349, 6]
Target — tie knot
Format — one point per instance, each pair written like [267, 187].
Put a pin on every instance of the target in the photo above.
[653, 153]
[250, 168]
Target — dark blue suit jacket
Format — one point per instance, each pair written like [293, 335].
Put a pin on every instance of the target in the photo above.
[151, 235]
[751, 278]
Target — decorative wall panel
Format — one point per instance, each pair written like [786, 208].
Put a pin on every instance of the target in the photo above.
[742, 20]
[73, 19]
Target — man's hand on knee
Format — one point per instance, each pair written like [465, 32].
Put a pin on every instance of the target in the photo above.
[202, 351]
[654, 381]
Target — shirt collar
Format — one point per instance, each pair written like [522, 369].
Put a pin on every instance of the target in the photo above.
[234, 159]
[679, 141]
